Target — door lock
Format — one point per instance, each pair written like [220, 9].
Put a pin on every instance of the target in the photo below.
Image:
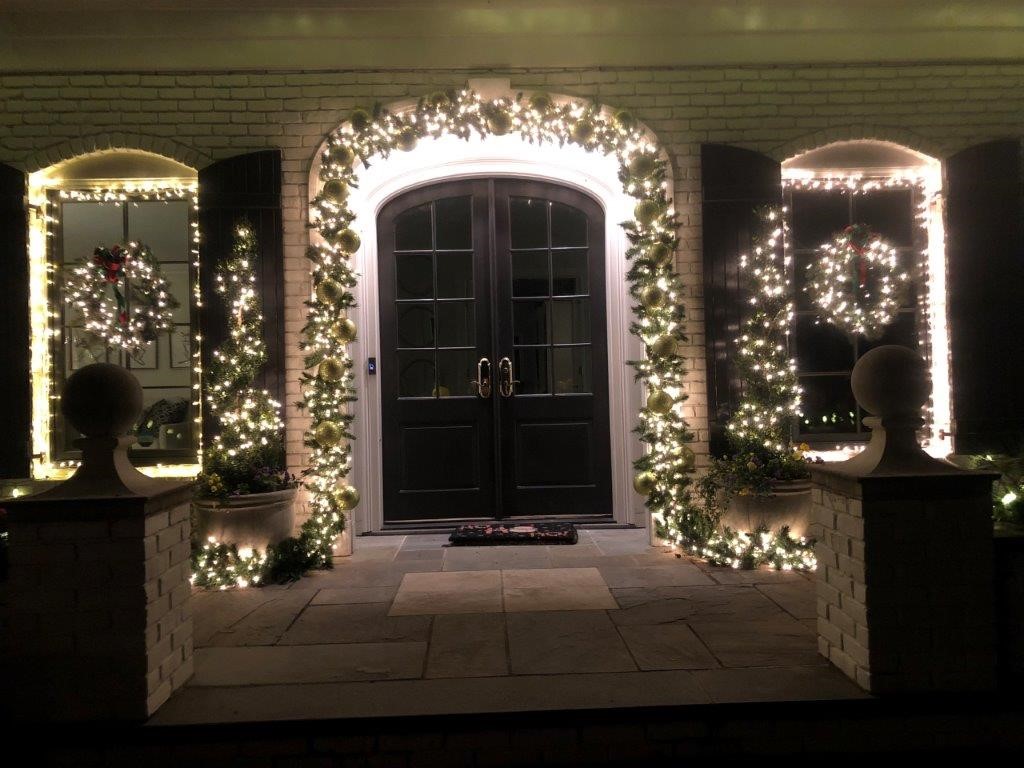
[506, 384]
[482, 382]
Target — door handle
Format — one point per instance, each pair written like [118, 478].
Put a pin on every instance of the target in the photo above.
[482, 382]
[506, 384]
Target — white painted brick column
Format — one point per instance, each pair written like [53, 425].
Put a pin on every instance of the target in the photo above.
[905, 579]
[99, 606]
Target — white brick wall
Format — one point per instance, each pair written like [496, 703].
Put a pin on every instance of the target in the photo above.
[778, 110]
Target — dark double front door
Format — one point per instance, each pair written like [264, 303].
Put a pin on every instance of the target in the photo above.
[493, 353]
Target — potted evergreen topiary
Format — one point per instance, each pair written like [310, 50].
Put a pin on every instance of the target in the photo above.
[244, 496]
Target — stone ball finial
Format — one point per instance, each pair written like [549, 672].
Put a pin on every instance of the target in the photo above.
[891, 381]
[102, 400]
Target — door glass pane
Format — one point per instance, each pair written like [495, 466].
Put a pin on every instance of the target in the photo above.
[900, 331]
[87, 225]
[454, 223]
[412, 229]
[415, 325]
[889, 212]
[530, 322]
[572, 369]
[570, 321]
[415, 275]
[568, 226]
[817, 216]
[455, 324]
[531, 369]
[416, 373]
[530, 273]
[158, 225]
[454, 275]
[456, 368]
[570, 272]
[821, 347]
[828, 405]
[528, 222]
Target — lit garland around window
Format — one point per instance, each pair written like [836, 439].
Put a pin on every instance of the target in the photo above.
[857, 281]
[664, 472]
[123, 297]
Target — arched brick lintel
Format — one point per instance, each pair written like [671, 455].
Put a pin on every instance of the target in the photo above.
[859, 132]
[84, 145]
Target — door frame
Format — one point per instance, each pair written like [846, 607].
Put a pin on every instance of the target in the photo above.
[450, 158]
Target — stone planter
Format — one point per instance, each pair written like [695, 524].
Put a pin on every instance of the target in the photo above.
[254, 520]
[789, 504]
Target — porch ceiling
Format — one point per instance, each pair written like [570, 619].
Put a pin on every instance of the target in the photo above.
[148, 35]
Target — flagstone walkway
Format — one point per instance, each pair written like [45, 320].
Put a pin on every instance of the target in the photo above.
[409, 626]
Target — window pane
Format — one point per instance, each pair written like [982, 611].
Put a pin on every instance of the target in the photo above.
[87, 225]
[801, 263]
[818, 216]
[454, 275]
[178, 282]
[530, 322]
[570, 321]
[416, 325]
[889, 212]
[415, 275]
[455, 324]
[572, 369]
[163, 227]
[412, 229]
[165, 423]
[529, 222]
[569, 272]
[530, 273]
[531, 369]
[568, 226]
[456, 368]
[828, 405]
[902, 331]
[416, 373]
[454, 223]
[821, 347]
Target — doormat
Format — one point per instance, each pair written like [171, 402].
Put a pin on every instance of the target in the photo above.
[524, 533]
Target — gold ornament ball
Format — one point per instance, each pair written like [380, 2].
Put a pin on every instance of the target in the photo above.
[360, 119]
[652, 297]
[660, 254]
[330, 369]
[647, 211]
[407, 139]
[345, 330]
[688, 456]
[541, 102]
[582, 130]
[329, 291]
[344, 154]
[625, 119]
[348, 240]
[660, 402]
[664, 346]
[327, 434]
[348, 497]
[643, 166]
[499, 123]
[644, 482]
[336, 190]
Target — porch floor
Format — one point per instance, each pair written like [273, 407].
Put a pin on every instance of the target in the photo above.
[407, 626]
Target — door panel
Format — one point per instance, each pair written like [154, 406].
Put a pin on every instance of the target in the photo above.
[438, 438]
[513, 272]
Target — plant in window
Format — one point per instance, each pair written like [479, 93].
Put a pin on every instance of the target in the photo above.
[123, 297]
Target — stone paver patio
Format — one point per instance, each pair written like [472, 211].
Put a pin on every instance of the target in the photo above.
[409, 626]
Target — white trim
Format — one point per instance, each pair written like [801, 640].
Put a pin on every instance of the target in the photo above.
[494, 156]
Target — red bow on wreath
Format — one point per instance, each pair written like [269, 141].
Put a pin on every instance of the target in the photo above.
[113, 263]
[858, 236]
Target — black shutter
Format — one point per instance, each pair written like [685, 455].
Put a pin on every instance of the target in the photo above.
[734, 181]
[985, 283]
[15, 458]
[246, 186]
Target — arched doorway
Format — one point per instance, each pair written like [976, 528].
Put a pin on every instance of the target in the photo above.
[493, 353]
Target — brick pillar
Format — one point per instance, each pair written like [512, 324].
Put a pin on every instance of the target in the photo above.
[99, 605]
[905, 585]
[905, 590]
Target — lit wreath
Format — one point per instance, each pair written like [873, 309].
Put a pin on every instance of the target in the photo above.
[123, 297]
[857, 281]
